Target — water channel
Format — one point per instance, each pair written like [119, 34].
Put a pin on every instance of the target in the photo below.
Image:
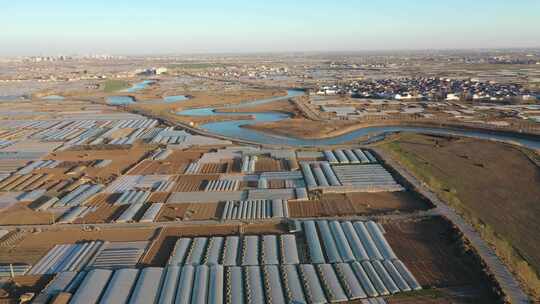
[233, 128]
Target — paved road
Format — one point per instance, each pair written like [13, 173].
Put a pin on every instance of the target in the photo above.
[504, 277]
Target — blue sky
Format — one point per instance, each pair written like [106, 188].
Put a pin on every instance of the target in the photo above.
[34, 27]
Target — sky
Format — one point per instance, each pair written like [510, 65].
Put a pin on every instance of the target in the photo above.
[54, 27]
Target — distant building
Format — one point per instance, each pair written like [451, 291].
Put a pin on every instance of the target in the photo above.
[452, 97]
[161, 70]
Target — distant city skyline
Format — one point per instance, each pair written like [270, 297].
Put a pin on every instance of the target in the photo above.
[55, 27]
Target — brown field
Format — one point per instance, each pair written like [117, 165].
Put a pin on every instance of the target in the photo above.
[121, 133]
[200, 120]
[151, 167]
[433, 251]
[268, 228]
[176, 163]
[265, 164]
[35, 245]
[217, 168]
[203, 211]
[104, 214]
[158, 197]
[170, 212]
[191, 183]
[21, 214]
[305, 128]
[27, 182]
[283, 106]
[122, 159]
[217, 98]
[103, 199]
[357, 204]
[405, 201]
[199, 211]
[276, 184]
[439, 296]
[495, 185]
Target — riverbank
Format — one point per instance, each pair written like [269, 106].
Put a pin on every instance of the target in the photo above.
[308, 129]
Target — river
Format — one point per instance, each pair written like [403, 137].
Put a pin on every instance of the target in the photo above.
[233, 128]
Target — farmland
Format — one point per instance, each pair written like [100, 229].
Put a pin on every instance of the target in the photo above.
[496, 186]
[106, 202]
[115, 85]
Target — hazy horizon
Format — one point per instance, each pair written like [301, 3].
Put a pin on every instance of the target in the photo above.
[164, 27]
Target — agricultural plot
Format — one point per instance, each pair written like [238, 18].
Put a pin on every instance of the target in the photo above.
[87, 255]
[150, 167]
[358, 203]
[345, 177]
[349, 156]
[234, 269]
[258, 209]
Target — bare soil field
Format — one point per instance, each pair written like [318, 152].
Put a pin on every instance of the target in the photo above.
[176, 163]
[404, 201]
[434, 253]
[106, 211]
[26, 182]
[103, 199]
[121, 133]
[357, 204]
[171, 212]
[122, 159]
[265, 164]
[159, 197]
[192, 183]
[328, 205]
[199, 211]
[305, 128]
[439, 296]
[276, 184]
[217, 98]
[201, 120]
[282, 106]
[104, 214]
[22, 214]
[217, 168]
[496, 186]
[268, 228]
[204, 211]
[154, 167]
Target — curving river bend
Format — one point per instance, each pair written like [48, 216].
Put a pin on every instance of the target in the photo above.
[233, 128]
